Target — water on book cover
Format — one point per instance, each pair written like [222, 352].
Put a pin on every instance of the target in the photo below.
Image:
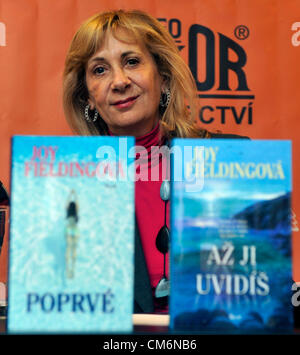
[231, 245]
[71, 243]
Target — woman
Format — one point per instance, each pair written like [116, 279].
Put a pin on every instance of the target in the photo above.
[124, 76]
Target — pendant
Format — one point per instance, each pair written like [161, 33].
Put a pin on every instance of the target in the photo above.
[165, 190]
[162, 240]
[163, 288]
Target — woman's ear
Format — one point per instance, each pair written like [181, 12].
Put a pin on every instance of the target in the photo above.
[165, 83]
[91, 103]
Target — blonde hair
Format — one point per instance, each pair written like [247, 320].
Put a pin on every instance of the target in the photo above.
[179, 117]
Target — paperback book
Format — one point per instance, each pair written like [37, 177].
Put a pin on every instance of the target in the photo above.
[230, 266]
[71, 252]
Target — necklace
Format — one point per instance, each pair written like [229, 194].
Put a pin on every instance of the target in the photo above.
[153, 158]
[162, 243]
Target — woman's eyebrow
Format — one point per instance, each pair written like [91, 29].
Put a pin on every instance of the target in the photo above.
[123, 55]
[97, 59]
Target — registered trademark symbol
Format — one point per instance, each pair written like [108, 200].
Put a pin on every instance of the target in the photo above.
[241, 32]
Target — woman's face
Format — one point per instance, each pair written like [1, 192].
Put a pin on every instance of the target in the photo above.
[125, 87]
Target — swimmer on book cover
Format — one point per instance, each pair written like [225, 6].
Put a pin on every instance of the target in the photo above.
[71, 234]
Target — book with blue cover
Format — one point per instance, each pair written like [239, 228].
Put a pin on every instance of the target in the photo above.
[71, 252]
[230, 266]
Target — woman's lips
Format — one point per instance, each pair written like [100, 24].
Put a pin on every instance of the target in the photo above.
[125, 103]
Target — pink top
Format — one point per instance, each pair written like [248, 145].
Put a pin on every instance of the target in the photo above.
[149, 207]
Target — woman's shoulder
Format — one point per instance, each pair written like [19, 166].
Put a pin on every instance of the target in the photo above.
[227, 136]
[203, 133]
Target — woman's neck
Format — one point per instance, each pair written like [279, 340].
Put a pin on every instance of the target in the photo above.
[152, 138]
[149, 139]
[136, 130]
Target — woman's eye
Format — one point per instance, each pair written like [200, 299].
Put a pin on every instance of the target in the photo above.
[98, 70]
[132, 61]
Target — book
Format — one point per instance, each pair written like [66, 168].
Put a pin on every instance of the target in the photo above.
[230, 265]
[71, 252]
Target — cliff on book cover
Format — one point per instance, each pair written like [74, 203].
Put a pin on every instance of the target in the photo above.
[231, 256]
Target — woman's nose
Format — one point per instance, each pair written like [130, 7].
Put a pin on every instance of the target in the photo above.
[120, 80]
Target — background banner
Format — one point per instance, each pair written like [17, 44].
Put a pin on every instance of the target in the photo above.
[243, 54]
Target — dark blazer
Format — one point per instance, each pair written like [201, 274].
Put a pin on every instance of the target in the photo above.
[4, 199]
[143, 299]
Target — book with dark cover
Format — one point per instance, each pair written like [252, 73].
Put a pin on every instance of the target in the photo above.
[71, 251]
[231, 236]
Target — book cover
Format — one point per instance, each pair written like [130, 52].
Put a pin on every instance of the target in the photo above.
[231, 236]
[71, 251]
